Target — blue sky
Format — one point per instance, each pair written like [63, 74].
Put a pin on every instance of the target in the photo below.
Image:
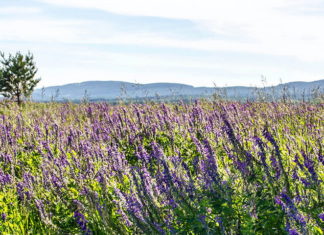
[201, 43]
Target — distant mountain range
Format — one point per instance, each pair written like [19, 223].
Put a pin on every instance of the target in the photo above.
[112, 90]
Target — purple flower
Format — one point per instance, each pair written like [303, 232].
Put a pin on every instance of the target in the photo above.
[211, 165]
[23, 192]
[305, 182]
[229, 130]
[289, 208]
[271, 139]
[321, 216]
[293, 232]
[78, 204]
[143, 155]
[159, 228]
[81, 221]
[56, 181]
[4, 178]
[134, 206]
[321, 158]
[309, 164]
[296, 160]
[7, 158]
[219, 220]
[3, 216]
[295, 175]
[278, 201]
[41, 208]
[242, 166]
[275, 165]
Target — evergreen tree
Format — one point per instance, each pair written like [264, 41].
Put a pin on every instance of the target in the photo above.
[17, 74]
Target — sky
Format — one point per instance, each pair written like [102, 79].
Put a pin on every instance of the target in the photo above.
[196, 42]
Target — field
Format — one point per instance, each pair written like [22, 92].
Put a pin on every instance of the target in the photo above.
[200, 168]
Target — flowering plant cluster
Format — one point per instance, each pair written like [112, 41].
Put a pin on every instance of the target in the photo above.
[200, 168]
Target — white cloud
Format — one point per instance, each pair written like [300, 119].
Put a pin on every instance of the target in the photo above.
[19, 10]
[182, 9]
[299, 45]
[261, 27]
[40, 30]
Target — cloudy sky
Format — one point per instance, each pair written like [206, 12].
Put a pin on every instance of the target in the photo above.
[197, 42]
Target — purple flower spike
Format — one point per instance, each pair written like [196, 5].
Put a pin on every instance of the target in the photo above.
[81, 221]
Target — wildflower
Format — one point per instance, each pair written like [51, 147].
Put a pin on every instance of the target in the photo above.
[229, 130]
[309, 164]
[295, 175]
[7, 158]
[3, 216]
[159, 228]
[305, 182]
[296, 160]
[4, 178]
[41, 209]
[81, 221]
[134, 206]
[321, 216]
[293, 232]
[289, 208]
[321, 158]
[143, 155]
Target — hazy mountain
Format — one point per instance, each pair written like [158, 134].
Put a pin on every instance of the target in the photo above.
[107, 90]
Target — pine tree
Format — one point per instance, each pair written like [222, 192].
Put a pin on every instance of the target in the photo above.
[17, 74]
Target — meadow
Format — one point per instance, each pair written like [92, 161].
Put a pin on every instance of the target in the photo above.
[184, 168]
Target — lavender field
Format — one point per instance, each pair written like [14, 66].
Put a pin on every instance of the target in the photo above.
[201, 168]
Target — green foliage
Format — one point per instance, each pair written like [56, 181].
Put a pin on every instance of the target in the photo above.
[17, 74]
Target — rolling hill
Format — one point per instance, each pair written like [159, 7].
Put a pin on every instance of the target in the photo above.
[109, 90]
